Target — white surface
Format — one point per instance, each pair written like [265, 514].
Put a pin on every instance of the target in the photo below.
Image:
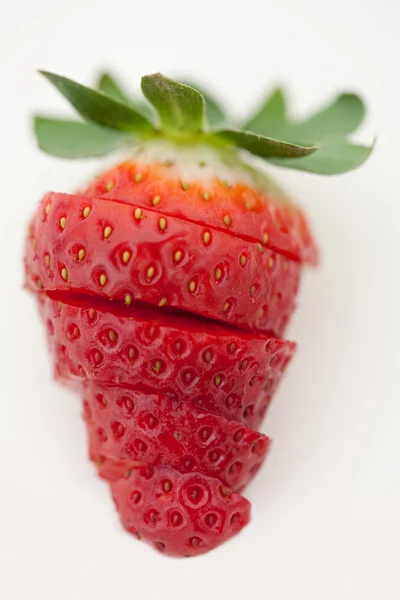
[326, 521]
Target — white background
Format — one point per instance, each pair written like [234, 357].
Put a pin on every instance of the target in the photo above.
[326, 518]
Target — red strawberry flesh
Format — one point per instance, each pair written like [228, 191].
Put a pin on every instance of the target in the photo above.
[229, 372]
[253, 213]
[158, 260]
[181, 515]
[165, 303]
[159, 429]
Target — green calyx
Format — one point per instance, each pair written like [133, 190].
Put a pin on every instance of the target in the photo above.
[180, 113]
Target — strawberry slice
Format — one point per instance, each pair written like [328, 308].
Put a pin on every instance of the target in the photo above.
[254, 214]
[113, 250]
[159, 429]
[181, 515]
[229, 372]
[109, 469]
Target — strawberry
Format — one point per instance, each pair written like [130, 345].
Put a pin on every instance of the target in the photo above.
[238, 208]
[160, 429]
[109, 249]
[166, 285]
[229, 372]
[181, 515]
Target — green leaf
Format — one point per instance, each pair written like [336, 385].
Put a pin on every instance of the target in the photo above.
[215, 114]
[74, 139]
[328, 129]
[343, 116]
[180, 107]
[108, 85]
[270, 119]
[263, 146]
[317, 144]
[332, 158]
[98, 107]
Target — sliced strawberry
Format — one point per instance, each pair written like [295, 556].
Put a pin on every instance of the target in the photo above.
[180, 515]
[114, 250]
[107, 468]
[159, 429]
[204, 199]
[229, 372]
[166, 285]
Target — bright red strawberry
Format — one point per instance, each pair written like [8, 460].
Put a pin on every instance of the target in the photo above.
[260, 215]
[160, 429]
[105, 248]
[229, 372]
[166, 286]
[181, 515]
[109, 469]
